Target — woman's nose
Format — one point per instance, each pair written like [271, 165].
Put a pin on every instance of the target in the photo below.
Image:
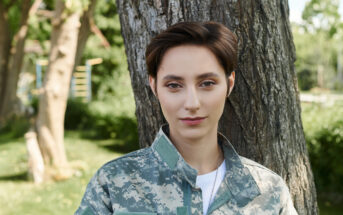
[192, 102]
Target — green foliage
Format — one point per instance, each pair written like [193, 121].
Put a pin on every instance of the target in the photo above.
[49, 4]
[16, 127]
[326, 150]
[306, 79]
[111, 113]
[76, 6]
[77, 115]
[316, 51]
[123, 129]
[109, 79]
[100, 120]
[318, 42]
[34, 103]
[14, 19]
[39, 29]
[14, 12]
[322, 15]
[324, 135]
[329, 208]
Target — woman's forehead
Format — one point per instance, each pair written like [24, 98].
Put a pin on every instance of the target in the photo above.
[188, 60]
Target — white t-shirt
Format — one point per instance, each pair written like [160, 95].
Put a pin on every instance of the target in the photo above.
[206, 181]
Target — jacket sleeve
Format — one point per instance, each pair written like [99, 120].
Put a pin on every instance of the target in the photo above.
[286, 202]
[96, 199]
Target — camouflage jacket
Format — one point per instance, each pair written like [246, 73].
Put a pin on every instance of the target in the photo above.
[157, 180]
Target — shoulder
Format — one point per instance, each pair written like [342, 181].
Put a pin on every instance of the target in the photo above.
[272, 186]
[133, 161]
[138, 155]
[112, 177]
[266, 179]
[250, 164]
[126, 168]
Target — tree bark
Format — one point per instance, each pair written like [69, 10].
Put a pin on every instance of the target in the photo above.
[262, 117]
[52, 104]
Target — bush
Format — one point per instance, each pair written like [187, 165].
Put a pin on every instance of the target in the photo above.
[306, 79]
[326, 150]
[77, 115]
[121, 128]
[16, 126]
[103, 120]
[34, 103]
[324, 137]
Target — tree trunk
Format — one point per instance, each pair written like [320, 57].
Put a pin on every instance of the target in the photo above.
[339, 79]
[35, 159]
[320, 76]
[5, 48]
[10, 102]
[262, 117]
[52, 104]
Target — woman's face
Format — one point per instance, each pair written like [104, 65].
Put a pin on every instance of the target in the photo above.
[192, 89]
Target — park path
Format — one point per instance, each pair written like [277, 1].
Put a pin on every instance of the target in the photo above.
[328, 99]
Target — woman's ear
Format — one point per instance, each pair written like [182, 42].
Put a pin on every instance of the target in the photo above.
[231, 81]
[152, 82]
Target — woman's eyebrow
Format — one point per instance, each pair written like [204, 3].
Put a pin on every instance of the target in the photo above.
[172, 77]
[207, 75]
[201, 76]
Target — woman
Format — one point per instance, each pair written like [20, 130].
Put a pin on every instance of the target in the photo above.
[190, 168]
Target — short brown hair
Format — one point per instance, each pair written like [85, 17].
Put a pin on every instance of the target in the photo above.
[212, 35]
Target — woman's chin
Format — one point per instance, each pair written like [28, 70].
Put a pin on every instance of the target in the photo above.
[192, 132]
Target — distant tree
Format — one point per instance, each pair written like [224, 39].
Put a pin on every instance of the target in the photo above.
[323, 21]
[316, 53]
[13, 33]
[262, 117]
[322, 15]
[53, 100]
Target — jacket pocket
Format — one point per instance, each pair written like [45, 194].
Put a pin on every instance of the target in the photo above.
[133, 213]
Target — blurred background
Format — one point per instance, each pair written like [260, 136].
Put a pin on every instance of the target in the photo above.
[100, 122]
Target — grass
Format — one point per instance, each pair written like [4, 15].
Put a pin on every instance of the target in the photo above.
[19, 196]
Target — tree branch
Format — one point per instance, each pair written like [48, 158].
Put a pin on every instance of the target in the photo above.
[98, 32]
[25, 14]
[35, 7]
[45, 13]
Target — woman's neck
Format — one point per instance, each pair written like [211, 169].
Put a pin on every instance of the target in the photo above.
[203, 154]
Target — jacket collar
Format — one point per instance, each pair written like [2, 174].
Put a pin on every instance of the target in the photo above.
[171, 156]
[238, 180]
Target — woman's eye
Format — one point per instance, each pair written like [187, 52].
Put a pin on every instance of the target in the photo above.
[207, 83]
[173, 85]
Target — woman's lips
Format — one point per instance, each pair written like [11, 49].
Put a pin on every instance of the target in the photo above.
[193, 121]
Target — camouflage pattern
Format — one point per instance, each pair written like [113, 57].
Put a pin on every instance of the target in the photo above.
[157, 180]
